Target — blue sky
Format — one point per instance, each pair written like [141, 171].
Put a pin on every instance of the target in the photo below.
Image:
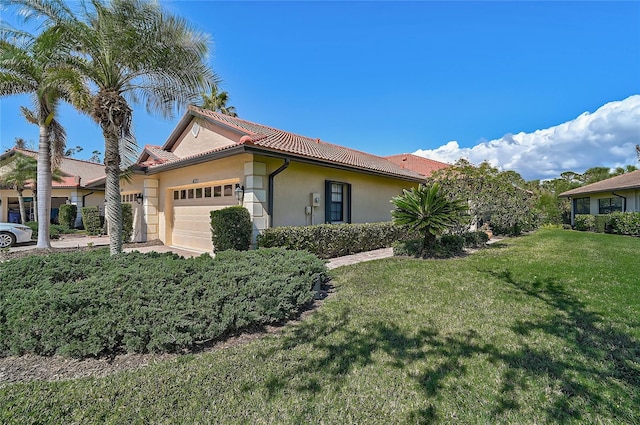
[401, 77]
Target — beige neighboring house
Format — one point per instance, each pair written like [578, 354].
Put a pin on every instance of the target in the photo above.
[211, 161]
[619, 193]
[76, 188]
[419, 164]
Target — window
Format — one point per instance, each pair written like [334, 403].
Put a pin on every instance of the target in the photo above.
[217, 191]
[582, 206]
[228, 190]
[207, 192]
[198, 192]
[609, 205]
[176, 194]
[337, 202]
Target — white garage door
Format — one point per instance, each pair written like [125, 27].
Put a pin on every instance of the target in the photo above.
[192, 215]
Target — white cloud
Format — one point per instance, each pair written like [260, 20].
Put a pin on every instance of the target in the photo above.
[606, 138]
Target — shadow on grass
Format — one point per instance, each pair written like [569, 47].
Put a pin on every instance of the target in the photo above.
[599, 369]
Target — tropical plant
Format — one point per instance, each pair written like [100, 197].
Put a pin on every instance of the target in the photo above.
[217, 101]
[23, 170]
[129, 48]
[35, 65]
[427, 210]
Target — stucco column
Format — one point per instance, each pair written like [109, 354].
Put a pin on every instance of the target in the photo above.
[76, 199]
[255, 196]
[150, 204]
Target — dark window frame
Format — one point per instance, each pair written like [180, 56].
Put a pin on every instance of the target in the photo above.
[579, 206]
[609, 205]
[343, 206]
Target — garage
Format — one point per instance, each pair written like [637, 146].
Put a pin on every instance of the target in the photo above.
[192, 206]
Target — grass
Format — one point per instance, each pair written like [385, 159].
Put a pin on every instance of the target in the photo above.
[539, 329]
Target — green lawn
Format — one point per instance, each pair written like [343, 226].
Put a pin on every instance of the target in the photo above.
[540, 329]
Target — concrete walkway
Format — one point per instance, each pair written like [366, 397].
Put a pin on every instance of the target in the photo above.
[77, 241]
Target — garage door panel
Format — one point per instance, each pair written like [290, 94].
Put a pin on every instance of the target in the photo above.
[192, 226]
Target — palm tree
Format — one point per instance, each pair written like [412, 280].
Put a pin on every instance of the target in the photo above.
[129, 48]
[428, 211]
[35, 65]
[217, 101]
[23, 170]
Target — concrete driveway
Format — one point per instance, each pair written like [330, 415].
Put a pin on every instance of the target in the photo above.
[78, 241]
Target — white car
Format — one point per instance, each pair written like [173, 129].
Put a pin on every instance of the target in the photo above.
[12, 233]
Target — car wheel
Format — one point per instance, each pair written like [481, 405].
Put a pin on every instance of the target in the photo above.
[7, 240]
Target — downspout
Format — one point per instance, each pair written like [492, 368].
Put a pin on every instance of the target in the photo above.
[624, 201]
[83, 205]
[271, 177]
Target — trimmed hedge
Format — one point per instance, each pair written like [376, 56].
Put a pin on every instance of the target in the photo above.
[446, 246]
[601, 223]
[627, 223]
[475, 239]
[55, 230]
[67, 215]
[231, 228]
[335, 240]
[127, 222]
[91, 220]
[91, 304]
[585, 222]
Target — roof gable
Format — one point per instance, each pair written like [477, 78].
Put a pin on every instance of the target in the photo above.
[622, 182]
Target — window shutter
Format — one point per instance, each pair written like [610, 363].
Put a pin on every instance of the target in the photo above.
[327, 201]
[347, 186]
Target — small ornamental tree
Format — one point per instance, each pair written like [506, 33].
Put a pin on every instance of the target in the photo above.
[231, 229]
[427, 210]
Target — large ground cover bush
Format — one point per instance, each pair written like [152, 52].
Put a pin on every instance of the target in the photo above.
[91, 304]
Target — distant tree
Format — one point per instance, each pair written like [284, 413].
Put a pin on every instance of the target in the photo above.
[217, 101]
[500, 199]
[95, 157]
[427, 210]
[73, 151]
[638, 151]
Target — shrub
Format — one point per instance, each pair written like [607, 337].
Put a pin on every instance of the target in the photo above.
[601, 223]
[627, 223]
[231, 229]
[91, 220]
[335, 240]
[127, 223]
[446, 246]
[91, 304]
[475, 239]
[67, 215]
[55, 230]
[585, 222]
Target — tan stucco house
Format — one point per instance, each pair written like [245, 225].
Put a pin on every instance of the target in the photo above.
[211, 161]
[619, 193]
[77, 187]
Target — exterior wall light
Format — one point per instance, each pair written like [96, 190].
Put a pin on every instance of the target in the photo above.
[239, 193]
[139, 198]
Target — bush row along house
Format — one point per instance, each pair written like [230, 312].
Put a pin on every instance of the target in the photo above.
[619, 193]
[77, 187]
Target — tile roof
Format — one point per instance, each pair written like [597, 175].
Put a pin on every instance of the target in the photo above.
[624, 181]
[154, 155]
[85, 170]
[419, 164]
[274, 140]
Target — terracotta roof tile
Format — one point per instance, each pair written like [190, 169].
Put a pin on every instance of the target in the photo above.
[424, 166]
[272, 139]
[624, 181]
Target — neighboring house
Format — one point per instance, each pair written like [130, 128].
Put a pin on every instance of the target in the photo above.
[211, 161]
[75, 188]
[619, 193]
[419, 164]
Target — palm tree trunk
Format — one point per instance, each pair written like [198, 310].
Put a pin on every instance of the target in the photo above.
[43, 185]
[23, 214]
[113, 209]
